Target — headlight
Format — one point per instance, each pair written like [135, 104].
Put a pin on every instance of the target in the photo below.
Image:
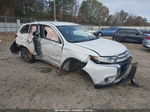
[98, 59]
[112, 59]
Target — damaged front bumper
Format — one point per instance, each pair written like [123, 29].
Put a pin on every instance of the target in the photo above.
[110, 74]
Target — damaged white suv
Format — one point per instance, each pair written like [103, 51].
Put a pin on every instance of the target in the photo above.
[70, 47]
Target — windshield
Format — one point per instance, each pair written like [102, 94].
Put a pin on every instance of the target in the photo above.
[76, 33]
[141, 32]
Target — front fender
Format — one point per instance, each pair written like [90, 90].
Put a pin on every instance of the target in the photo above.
[76, 52]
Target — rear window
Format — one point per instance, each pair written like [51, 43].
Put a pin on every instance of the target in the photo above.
[24, 29]
[130, 31]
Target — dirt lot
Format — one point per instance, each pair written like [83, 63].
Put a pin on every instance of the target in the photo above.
[41, 86]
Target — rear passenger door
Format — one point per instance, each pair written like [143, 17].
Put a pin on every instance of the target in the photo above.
[51, 45]
[30, 43]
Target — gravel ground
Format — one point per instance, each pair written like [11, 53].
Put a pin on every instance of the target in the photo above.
[42, 86]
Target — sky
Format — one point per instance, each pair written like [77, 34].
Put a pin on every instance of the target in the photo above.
[135, 7]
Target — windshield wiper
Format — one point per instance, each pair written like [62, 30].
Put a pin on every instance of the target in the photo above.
[93, 39]
[76, 41]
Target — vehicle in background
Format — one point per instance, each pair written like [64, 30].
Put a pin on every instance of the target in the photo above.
[145, 31]
[146, 41]
[129, 35]
[70, 47]
[108, 31]
[91, 31]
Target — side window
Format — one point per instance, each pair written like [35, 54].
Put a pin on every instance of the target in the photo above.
[50, 34]
[112, 28]
[24, 29]
[122, 31]
[132, 31]
[33, 28]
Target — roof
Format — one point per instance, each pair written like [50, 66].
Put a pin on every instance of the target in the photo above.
[54, 23]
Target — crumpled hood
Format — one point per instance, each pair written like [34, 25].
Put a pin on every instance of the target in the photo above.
[104, 47]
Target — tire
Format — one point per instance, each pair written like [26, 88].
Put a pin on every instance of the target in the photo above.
[118, 39]
[72, 65]
[26, 55]
[100, 34]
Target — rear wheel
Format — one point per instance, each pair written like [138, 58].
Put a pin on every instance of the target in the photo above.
[26, 55]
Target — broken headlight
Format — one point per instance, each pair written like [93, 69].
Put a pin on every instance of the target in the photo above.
[112, 59]
[98, 59]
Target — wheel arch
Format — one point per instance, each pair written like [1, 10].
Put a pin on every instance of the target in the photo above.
[15, 48]
[74, 62]
[30, 55]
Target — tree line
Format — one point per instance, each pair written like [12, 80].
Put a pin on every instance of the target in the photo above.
[91, 12]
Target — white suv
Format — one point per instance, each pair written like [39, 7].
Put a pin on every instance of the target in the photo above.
[70, 47]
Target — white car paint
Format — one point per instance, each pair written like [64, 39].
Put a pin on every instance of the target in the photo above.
[105, 71]
[57, 53]
[104, 47]
[52, 51]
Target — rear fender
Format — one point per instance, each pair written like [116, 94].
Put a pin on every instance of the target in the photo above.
[14, 48]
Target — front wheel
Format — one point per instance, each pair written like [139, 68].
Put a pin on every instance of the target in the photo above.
[100, 34]
[117, 39]
[26, 55]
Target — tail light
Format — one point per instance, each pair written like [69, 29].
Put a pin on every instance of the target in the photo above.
[148, 38]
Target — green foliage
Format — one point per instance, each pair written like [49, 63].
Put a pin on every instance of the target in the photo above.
[22, 8]
[29, 8]
[64, 8]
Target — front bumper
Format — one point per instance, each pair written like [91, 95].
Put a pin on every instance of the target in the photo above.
[110, 74]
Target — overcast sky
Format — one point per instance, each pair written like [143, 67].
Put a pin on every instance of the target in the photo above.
[135, 7]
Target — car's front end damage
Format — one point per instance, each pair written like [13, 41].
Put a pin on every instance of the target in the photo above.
[107, 62]
[105, 74]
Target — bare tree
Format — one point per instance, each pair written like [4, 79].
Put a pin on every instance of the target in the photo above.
[93, 12]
